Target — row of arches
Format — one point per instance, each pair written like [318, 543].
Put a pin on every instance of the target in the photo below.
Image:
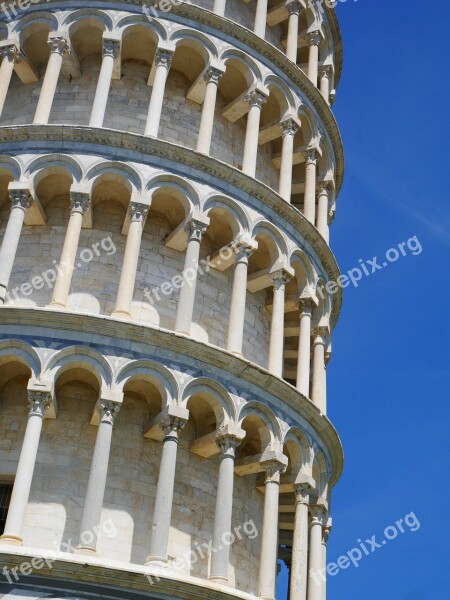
[177, 67]
[162, 251]
[79, 379]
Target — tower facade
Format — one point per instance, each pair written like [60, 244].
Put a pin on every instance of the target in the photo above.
[168, 177]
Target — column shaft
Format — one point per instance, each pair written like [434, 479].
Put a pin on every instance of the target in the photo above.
[209, 106]
[260, 18]
[276, 347]
[289, 128]
[325, 75]
[21, 200]
[299, 569]
[219, 7]
[322, 212]
[9, 56]
[130, 260]
[238, 300]
[304, 346]
[313, 61]
[96, 486]
[162, 513]
[309, 208]
[224, 509]
[80, 203]
[292, 36]
[318, 387]
[315, 574]
[58, 47]
[163, 61]
[185, 309]
[252, 133]
[39, 401]
[269, 542]
[110, 50]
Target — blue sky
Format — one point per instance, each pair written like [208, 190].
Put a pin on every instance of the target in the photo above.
[389, 376]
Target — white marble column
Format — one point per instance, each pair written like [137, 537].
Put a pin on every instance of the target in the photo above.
[162, 512]
[21, 200]
[325, 535]
[294, 8]
[261, 18]
[95, 493]
[289, 128]
[58, 47]
[219, 7]
[39, 401]
[315, 574]
[10, 55]
[236, 321]
[163, 60]
[276, 347]
[111, 48]
[256, 100]
[185, 309]
[314, 41]
[318, 382]
[224, 507]
[322, 210]
[269, 541]
[325, 78]
[309, 206]
[80, 203]
[127, 281]
[212, 76]
[306, 306]
[299, 569]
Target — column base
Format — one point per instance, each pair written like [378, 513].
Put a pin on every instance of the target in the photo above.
[12, 540]
[121, 314]
[219, 579]
[56, 305]
[157, 561]
[86, 550]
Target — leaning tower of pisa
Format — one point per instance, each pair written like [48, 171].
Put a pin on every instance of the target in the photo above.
[168, 177]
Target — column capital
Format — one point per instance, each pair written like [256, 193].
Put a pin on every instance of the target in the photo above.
[111, 47]
[322, 187]
[20, 196]
[306, 304]
[59, 43]
[311, 155]
[320, 333]
[172, 426]
[273, 470]
[10, 51]
[244, 246]
[195, 228]
[319, 515]
[138, 212]
[39, 401]
[108, 411]
[164, 57]
[295, 7]
[302, 493]
[227, 440]
[314, 38]
[289, 126]
[326, 532]
[326, 71]
[256, 97]
[80, 202]
[214, 74]
[281, 277]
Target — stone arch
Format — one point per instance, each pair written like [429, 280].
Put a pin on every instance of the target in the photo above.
[158, 375]
[23, 353]
[155, 28]
[42, 166]
[268, 427]
[300, 451]
[228, 221]
[309, 130]
[238, 212]
[33, 31]
[248, 65]
[322, 312]
[11, 165]
[223, 407]
[284, 96]
[205, 44]
[272, 232]
[320, 473]
[304, 272]
[80, 356]
[117, 171]
[74, 20]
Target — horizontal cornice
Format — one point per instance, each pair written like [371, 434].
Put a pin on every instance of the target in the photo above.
[68, 138]
[106, 327]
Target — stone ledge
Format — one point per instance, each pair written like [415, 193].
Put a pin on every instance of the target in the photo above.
[110, 578]
[59, 321]
[29, 138]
